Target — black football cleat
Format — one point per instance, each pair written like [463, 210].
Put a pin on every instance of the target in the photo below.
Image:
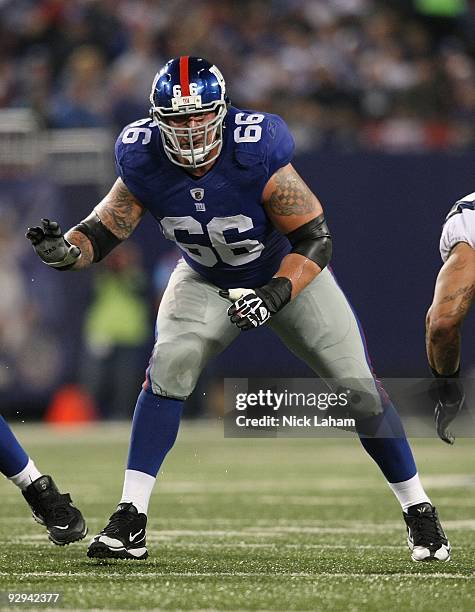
[123, 537]
[425, 537]
[63, 521]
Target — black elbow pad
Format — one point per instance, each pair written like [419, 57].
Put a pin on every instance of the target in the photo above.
[102, 239]
[313, 240]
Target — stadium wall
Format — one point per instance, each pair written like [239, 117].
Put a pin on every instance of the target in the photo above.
[385, 212]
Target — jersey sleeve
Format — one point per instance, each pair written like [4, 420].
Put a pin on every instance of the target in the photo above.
[119, 157]
[125, 167]
[281, 145]
[459, 226]
[134, 160]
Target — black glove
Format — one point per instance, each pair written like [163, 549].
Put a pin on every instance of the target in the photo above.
[253, 307]
[51, 246]
[450, 397]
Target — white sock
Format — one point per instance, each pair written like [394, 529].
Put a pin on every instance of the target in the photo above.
[138, 488]
[409, 492]
[28, 474]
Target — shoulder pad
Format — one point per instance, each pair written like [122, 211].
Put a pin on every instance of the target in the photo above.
[459, 226]
[260, 138]
[134, 153]
[465, 203]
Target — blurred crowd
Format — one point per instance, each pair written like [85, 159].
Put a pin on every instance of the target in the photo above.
[345, 74]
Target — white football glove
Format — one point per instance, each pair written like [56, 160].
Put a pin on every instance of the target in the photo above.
[253, 307]
[248, 310]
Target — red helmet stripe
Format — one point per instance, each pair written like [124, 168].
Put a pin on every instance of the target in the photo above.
[184, 76]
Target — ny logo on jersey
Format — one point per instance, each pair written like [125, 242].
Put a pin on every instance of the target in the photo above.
[198, 194]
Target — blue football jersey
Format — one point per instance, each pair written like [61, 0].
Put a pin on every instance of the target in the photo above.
[217, 220]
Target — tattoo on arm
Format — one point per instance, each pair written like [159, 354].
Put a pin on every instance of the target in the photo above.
[443, 344]
[467, 293]
[453, 296]
[449, 356]
[443, 350]
[291, 195]
[83, 242]
[120, 211]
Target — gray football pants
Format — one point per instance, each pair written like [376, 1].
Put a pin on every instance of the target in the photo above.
[318, 326]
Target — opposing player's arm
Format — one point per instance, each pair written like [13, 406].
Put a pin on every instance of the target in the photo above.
[295, 211]
[111, 222]
[453, 296]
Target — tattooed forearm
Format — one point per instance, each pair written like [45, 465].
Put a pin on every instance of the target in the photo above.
[443, 337]
[453, 296]
[447, 361]
[291, 196]
[87, 253]
[466, 300]
[443, 348]
[120, 211]
[466, 295]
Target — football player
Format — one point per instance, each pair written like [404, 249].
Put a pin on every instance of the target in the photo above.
[63, 521]
[255, 244]
[453, 296]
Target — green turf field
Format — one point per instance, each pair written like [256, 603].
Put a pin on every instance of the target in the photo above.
[295, 524]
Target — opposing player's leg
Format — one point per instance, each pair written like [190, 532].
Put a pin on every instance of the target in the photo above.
[192, 327]
[320, 327]
[63, 521]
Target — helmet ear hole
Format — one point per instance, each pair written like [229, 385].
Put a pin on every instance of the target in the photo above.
[184, 86]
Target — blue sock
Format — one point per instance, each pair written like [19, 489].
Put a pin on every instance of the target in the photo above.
[12, 456]
[384, 439]
[154, 430]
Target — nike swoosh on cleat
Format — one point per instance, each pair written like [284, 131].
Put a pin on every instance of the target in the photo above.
[59, 527]
[133, 536]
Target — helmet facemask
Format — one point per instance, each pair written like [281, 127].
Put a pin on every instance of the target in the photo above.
[179, 142]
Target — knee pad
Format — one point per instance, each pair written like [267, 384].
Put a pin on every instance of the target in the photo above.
[175, 368]
[364, 399]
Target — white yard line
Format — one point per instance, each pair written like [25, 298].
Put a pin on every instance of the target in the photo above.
[157, 538]
[132, 575]
[270, 528]
[310, 500]
[220, 486]
[448, 480]
[322, 483]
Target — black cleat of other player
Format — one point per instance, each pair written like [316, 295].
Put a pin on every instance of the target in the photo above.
[425, 537]
[63, 521]
[123, 537]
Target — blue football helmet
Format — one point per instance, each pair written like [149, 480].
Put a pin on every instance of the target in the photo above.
[189, 86]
